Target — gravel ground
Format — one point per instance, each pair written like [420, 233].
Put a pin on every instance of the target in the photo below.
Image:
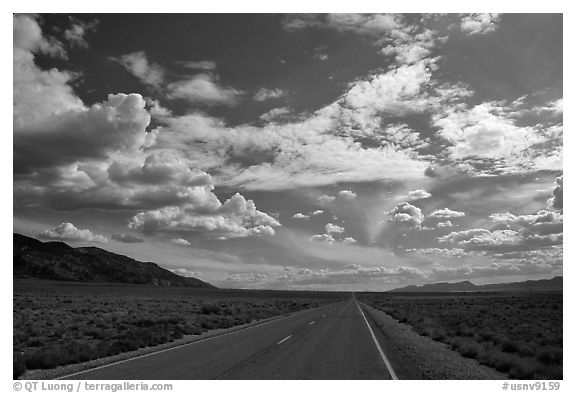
[417, 357]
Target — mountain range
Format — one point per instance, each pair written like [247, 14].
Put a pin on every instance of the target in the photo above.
[553, 284]
[59, 261]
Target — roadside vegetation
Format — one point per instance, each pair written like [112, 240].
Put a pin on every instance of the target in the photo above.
[57, 323]
[518, 334]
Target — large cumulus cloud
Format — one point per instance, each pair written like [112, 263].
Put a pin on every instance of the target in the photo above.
[236, 217]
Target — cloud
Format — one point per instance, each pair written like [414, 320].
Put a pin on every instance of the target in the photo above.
[484, 131]
[444, 224]
[366, 24]
[205, 89]
[180, 242]
[27, 36]
[301, 216]
[275, 113]
[68, 232]
[396, 92]
[265, 94]
[321, 56]
[349, 240]
[443, 273]
[126, 238]
[501, 240]
[446, 213]
[37, 94]
[418, 194]
[316, 212]
[333, 228]
[556, 202]
[407, 214]
[544, 222]
[442, 252]
[116, 125]
[479, 23]
[138, 65]
[206, 65]
[236, 217]
[347, 194]
[324, 238]
[76, 32]
[326, 199]
[182, 271]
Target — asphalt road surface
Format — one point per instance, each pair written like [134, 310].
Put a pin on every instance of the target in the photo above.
[328, 342]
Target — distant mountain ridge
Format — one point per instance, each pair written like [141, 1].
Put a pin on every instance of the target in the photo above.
[59, 261]
[553, 284]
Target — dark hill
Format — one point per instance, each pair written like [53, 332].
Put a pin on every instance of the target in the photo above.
[553, 284]
[59, 261]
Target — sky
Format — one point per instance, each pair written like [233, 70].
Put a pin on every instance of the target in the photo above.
[298, 151]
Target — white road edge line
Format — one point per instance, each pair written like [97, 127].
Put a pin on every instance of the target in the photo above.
[382, 355]
[180, 346]
[284, 339]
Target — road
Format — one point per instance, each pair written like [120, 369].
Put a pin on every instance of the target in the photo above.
[328, 342]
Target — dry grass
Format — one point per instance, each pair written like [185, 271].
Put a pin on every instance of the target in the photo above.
[59, 323]
[520, 335]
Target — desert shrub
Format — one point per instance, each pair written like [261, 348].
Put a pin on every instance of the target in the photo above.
[469, 350]
[210, 309]
[549, 356]
[523, 370]
[18, 364]
[509, 346]
[520, 334]
[500, 361]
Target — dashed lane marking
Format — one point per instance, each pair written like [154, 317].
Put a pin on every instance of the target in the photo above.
[283, 340]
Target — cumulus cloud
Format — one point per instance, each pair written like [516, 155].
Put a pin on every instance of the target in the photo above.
[484, 132]
[236, 217]
[182, 271]
[265, 94]
[204, 88]
[117, 125]
[500, 240]
[347, 194]
[556, 202]
[442, 252]
[275, 113]
[324, 238]
[544, 222]
[407, 214]
[333, 228]
[479, 23]
[349, 240]
[446, 213]
[126, 238]
[418, 194]
[317, 212]
[300, 216]
[37, 94]
[326, 198]
[68, 232]
[27, 36]
[180, 242]
[138, 65]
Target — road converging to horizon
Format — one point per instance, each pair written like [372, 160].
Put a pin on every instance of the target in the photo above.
[333, 341]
